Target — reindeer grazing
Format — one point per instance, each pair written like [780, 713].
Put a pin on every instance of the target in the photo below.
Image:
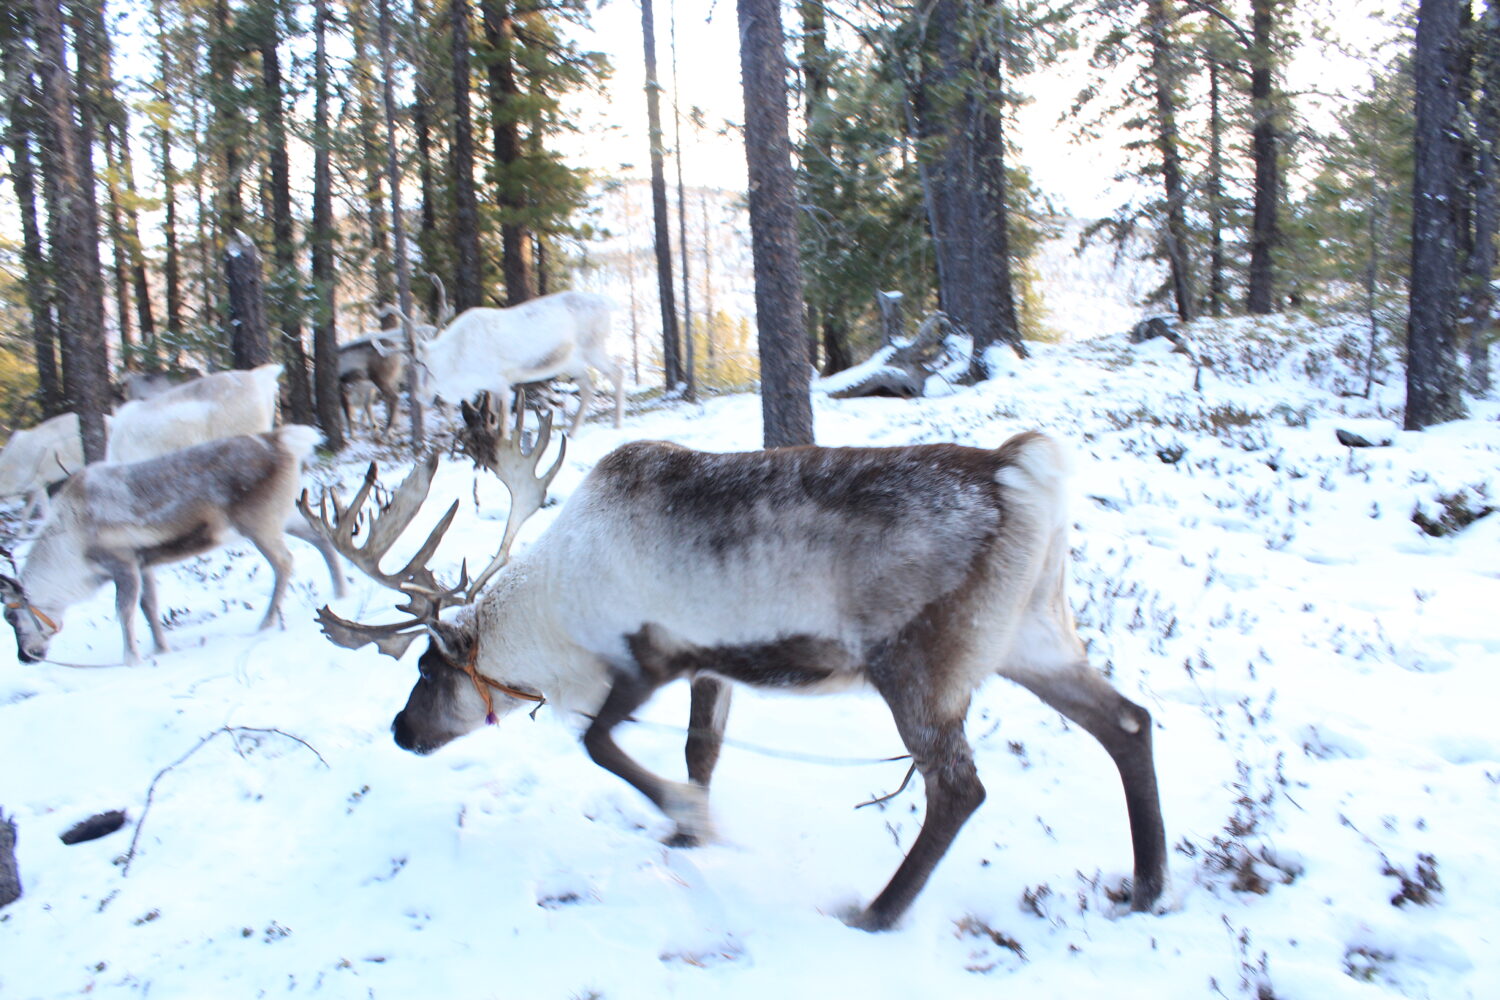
[495, 350]
[919, 570]
[37, 457]
[116, 521]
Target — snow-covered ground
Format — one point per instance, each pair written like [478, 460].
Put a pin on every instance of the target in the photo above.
[1323, 677]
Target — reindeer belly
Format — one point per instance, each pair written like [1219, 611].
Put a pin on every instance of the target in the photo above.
[199, 538]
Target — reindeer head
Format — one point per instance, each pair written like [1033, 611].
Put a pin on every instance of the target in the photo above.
[34, 627]
[452, 696]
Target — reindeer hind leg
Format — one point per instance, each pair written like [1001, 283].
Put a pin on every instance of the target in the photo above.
[1082, 695]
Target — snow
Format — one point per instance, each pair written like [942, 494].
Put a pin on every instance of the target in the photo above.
[1321, 672]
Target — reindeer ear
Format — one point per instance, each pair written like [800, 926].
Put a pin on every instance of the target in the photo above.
[452, 641]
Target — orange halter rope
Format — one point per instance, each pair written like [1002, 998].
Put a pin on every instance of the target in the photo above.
[35, 613]
[482, 684]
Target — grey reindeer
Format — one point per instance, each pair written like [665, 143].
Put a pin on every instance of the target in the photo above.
[112, 522]
[919, 571]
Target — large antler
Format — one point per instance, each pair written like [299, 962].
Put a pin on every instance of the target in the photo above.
[515, 465]
[343, 524]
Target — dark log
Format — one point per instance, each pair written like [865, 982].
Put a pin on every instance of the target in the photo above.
[96, 826]
[10, 875]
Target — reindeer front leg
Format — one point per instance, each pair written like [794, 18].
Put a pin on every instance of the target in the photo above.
[685, 804]
[707, 715]
[127, 578]
[149, 609]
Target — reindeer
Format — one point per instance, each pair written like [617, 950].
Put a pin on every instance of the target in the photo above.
[215, 406]
[114, 522]
[37, 458]
[918, 570]
[495, 350]
[373, 364]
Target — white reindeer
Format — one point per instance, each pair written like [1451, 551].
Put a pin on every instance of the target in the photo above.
[215, 406]
[113, 522]
[35, 458]
[919, 571]
[495, 350]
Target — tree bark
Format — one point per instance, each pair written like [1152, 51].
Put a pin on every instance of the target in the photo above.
[372, 159]
[1164, 84]
[1261, 298]
[689, 361]
[398, 226]
[249, 344]
[671, 354]
[74, 235]
[421, 122]
[1215, 192]
[1433, 379]
[172, 264]
[325, 281]
[957, 104]
[468, 267]
[505, 128]
[286, 281]
[1479, 298]
[229, 124]
[785, 370]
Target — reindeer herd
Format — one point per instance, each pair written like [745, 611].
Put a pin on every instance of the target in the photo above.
[917, 572]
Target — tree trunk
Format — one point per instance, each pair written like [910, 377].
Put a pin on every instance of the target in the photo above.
[325, 281]
[1433, 379]
[1216, 289]
[505, 128]
[172, 265]
[670, 341]
[828, 319]
[229, 123]
[398, 227]
[785, 371]
[1164, 83]
[421, 122]
[1479, 298]
[286, 280]
[372, 159]
[468, 268]
[1261, 298]
[74, 235]
[956, 107]
[249, 344]
[690, 368]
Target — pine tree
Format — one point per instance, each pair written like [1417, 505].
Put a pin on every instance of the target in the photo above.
[784, 369]
[73, 236]
[1433, 380]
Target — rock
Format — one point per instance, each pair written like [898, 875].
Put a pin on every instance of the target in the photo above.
[1369, 433]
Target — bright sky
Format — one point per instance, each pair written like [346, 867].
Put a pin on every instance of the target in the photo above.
[1080, 178]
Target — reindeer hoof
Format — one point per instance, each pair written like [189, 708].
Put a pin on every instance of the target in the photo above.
[683, 838]
[869, 919]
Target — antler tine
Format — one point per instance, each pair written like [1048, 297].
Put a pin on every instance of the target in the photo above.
[516, 467]
[425, 597]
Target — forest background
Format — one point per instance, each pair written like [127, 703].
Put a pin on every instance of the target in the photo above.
[382, 157]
